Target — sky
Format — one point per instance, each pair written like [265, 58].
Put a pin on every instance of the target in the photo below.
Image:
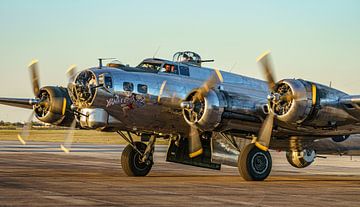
[313, 40]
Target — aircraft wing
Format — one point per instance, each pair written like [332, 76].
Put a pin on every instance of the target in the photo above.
[26, 103]
[350, 101]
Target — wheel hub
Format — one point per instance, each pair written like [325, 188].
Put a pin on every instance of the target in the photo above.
[259, 162]
[138, 163]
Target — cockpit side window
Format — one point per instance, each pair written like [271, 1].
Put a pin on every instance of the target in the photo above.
[108, 82]
[169, 68]
[105, 80]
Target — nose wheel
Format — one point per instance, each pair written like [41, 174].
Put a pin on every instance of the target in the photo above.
[254, 164]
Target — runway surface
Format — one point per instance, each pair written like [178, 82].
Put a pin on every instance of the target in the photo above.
[39, 174]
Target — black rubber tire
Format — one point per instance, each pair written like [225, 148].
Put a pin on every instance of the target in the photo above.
[248, 158]
[131, 163]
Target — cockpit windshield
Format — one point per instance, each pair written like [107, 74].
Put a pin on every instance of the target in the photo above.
[150, 66]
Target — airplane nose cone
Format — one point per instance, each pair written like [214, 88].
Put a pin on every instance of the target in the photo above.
[82, 91]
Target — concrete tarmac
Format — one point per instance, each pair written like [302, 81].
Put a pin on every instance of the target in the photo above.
[39, 174]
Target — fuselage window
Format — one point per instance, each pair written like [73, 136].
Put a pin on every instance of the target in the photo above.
[167, 68]
[184, 71]
[128, 86]
[108, 82]
[142, 88]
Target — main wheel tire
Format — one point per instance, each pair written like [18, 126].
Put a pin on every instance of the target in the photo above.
[254, 164]
[131, 161]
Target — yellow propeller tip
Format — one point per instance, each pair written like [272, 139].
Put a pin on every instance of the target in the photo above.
[161, 90]
[264, 54]
[63, 148]
[196, 153]
[21, 139]
[218, 73]
[71, 67]
[34, 61]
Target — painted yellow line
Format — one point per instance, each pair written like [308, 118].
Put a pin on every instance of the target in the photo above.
[260, 146]
[267, 52]
[197, 153]
[63, 148]
[63, 107]
[21, 139]
[313, 88]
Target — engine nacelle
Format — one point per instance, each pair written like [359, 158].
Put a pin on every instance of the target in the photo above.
[301, 159]
[299, 104]
[54, 106]
[208, 110]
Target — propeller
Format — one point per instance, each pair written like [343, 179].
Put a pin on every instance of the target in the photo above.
[41, 103]
[71, 72]
[26, 130]
[214, 79]
[264, 61]
[69, 137]
[35, 81]
[194, 111]
[34, 74]
[163, 90]
[162, 87]
[264, 137]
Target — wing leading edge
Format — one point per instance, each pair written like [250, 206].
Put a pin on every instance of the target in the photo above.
[26, 103]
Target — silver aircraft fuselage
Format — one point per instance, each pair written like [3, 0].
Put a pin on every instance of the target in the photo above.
[159, 109]
[127, 106]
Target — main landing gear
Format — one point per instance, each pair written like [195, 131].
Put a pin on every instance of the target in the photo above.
[254, 164]
[137, 157]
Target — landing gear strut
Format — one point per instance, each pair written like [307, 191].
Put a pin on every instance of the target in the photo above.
[254, 164]
[137, 157]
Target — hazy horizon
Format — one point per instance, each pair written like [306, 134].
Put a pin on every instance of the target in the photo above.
[313, 40]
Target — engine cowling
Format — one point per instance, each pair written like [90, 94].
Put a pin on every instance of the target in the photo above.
[206, 111]
[293, 100]
[301, 159]
[54, 106]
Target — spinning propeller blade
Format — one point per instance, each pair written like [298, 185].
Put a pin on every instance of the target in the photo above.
[267, 70]
[26, 130]
[214, 79]
[35, 80]
[69, 138]
[71, 72]
[264, 137]
[195, 147]
[34, 74]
